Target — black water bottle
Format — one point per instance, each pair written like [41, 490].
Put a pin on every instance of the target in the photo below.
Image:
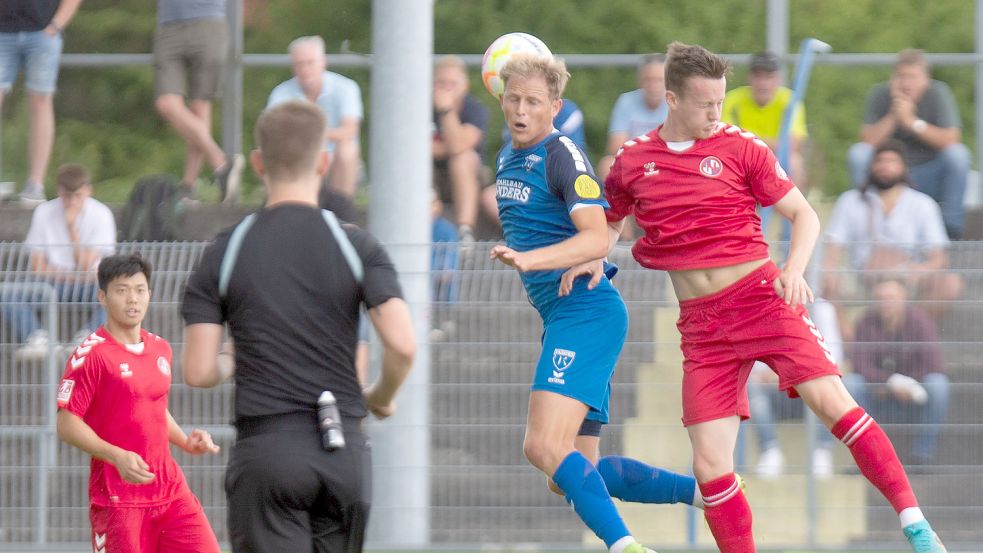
[329, 421]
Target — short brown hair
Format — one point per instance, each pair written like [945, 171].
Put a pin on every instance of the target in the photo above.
[911, 56]
[554, 70]
[289, 137]
[684, 61]
[72, 176]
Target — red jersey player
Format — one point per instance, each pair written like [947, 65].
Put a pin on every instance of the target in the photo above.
[692, 185]
[112, 404]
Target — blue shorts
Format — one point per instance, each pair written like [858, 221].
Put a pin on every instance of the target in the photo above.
[583, 334]
[40, 55]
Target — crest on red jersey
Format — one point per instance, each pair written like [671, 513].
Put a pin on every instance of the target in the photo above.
[163, 365]
[711, 166]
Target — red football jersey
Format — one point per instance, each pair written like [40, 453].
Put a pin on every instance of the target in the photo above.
[697, 206]
[122, 395]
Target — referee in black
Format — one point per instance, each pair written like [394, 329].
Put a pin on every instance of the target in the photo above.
[289, 281]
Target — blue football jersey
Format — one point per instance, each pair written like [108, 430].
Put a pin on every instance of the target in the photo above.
[537, 187]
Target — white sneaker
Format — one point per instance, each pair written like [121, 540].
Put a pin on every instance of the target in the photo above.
[822, 463]
[771, 464]
[35, 348]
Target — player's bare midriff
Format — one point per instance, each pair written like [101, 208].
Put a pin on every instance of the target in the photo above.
[696, 283]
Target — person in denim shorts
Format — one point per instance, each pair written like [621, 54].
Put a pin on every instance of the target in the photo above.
[31, 37]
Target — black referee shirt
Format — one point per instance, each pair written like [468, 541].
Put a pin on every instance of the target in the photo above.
[292, 307]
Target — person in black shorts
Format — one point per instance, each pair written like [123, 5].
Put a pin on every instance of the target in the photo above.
[289, 281]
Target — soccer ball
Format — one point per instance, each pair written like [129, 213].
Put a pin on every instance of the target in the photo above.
[501, 51]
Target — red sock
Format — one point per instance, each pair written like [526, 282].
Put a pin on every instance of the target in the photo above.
[728, 514]
[875, 456]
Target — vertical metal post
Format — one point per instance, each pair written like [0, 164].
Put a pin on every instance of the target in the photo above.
[978, 88]
[232, 92]
[399, 216]
[776, 28]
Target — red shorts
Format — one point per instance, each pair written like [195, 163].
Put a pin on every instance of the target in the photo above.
[723, 334]
[178, 526]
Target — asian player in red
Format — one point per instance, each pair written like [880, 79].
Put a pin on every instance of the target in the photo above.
[112, 404]
[693, 185]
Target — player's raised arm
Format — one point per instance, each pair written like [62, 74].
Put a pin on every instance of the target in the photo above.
[590, 243]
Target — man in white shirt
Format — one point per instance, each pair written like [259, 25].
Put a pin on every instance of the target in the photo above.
[891, 228]
[67, 238]
[339, 98]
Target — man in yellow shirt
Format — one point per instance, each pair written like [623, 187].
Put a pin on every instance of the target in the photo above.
[760, 106]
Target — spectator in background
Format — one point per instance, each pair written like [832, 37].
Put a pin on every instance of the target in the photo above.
[67, 238]
[922, 114]
[190, 52]
[898, 373]
[460, 122]
[760, 107]
[340, 99]
[31, 34]
[890, 228]
[570, 122]
[639, 111]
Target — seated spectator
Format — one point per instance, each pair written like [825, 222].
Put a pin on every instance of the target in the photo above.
[922, 114]
[339, 97]
[890, 228]
[768, 405]
[638, 111]
[67, 238]
[570, 121]
[459, 125]
[759, 108]
[898, 374]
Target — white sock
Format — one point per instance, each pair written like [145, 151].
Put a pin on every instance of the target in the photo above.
[910, 516]
[697, 497]
[620, 545]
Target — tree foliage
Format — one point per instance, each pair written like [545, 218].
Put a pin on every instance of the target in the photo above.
[106, 117]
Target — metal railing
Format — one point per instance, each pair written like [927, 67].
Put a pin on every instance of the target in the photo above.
[484, 342]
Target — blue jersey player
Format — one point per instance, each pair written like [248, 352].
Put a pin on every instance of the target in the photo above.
[552, 212]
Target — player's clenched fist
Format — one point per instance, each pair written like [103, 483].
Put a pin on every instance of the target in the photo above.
[199, 442]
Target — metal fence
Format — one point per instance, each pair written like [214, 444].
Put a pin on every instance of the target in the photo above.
[484, 341]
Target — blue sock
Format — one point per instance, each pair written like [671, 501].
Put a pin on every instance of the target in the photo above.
[631, 480]
[584, 490]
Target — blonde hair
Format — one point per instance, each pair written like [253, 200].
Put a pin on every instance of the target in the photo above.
[554, 70]
[313, 40]
[684, 61]
[451, 61]
[289, 137]
[911, 56]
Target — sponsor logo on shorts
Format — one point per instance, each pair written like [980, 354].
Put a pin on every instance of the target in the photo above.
[163, 365]
[99, 542]
[711, 166]
[65, 390]
[587, 187]
[562, 359]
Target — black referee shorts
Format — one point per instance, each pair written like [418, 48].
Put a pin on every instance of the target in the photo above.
[286, 493]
